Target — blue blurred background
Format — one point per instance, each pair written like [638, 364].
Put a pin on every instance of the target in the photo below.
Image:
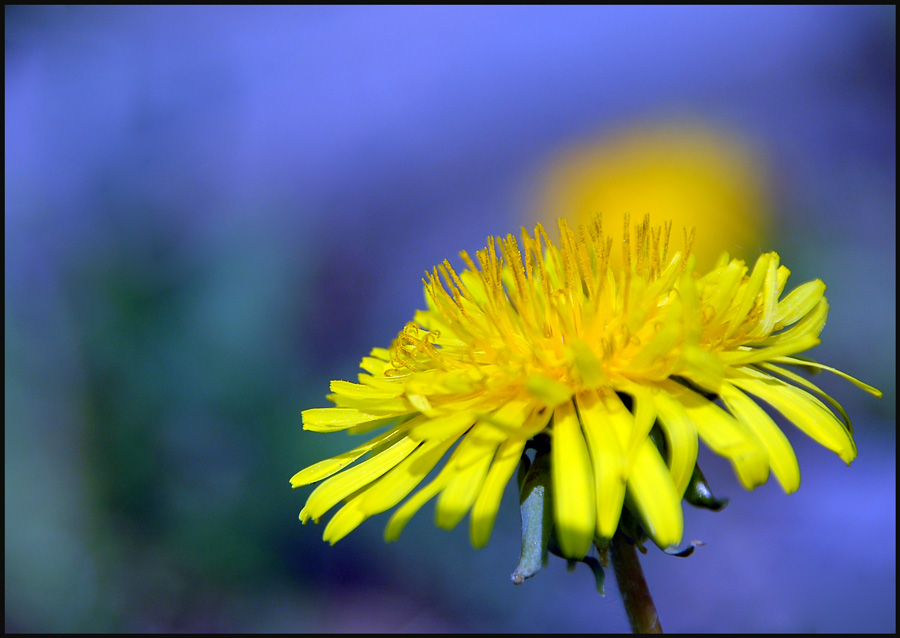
[211, 212]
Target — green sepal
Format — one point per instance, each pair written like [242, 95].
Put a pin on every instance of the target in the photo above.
[687, 551]
[698, 493]
[536, 509]
[632, 529]
[595, 564]
[599, 574]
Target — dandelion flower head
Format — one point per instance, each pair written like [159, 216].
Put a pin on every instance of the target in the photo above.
[532, 338]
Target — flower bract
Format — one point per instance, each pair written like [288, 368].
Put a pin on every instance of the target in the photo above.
[534, 338]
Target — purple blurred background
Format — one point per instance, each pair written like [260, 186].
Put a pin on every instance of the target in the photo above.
[211, 212]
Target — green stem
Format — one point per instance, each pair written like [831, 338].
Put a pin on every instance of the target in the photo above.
[633, 587]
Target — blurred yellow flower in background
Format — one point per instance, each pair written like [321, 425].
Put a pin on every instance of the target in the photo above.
[686, 173]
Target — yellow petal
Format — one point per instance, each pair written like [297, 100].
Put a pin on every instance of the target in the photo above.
[324, 469]
[334, 419]
[652, 492]
[821, 366]
[810, 325]
[723, 285]
[744, 356]
[420, 403]
[702, 367]
[397, 405]
[443, 427]
[781, 454]
[450, 471]
[399, 482]
[415, 502]
[607, 460]
[769, 294]
[337, 488]
[681, 437]
[644, 417]
[587, 364]
[573, 484]
[375, 367]
[724, 435]
[550, 391]
[536, 422]
[346, 389]
[462, 489]
[801, 408]
[510, 416]
[484, 511]
[671, 332]
[344, 521]
[746, 297]
[483, 435]
[798, 303]
[809, 385]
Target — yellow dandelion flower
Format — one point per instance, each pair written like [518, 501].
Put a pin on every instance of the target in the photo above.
[537, 339]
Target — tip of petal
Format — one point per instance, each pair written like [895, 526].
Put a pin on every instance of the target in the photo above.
[848, 455]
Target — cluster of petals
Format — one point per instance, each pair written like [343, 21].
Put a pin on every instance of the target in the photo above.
[592, 347]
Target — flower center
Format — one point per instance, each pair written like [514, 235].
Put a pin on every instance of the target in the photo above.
[565, 314]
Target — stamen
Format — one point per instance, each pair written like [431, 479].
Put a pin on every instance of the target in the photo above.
[584, 259]
[626, 260]
[688, 245]
[668, 233]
